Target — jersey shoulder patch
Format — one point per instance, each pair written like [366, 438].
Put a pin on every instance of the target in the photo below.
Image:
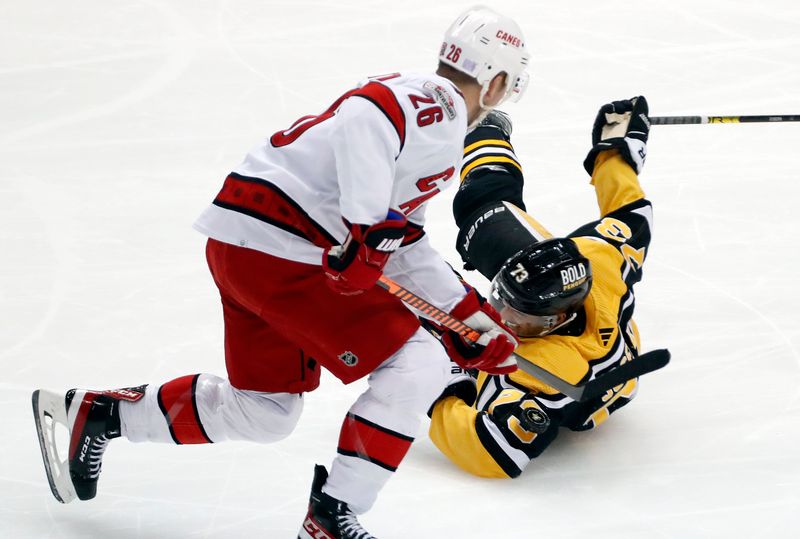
[443, 97]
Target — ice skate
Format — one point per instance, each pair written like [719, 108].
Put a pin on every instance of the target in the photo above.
[329, 518]
[92, 420]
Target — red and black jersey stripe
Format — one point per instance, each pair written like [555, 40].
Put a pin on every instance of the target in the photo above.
[413, 234]
[264, 201]
[364, 439]
[383, 98]
[177, 402]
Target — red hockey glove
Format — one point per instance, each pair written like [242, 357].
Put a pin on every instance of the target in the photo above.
[355, 266]
[493, 355]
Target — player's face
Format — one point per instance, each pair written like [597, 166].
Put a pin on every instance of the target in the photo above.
[530, 325]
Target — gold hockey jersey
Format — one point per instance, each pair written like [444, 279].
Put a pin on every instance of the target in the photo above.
[491, 437]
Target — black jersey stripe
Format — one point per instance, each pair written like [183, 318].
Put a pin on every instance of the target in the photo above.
[262, 200]
[196, 410]
[366, 457]
[164, 411]
[494, 449]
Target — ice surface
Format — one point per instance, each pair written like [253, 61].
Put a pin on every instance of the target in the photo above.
[120, 119]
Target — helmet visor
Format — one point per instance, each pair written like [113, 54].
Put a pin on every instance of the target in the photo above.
[524, 324]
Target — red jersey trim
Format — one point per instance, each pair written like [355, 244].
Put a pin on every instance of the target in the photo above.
[364, 439]
[383, 98]
[179, 405]
[413, 234]
[264, 201]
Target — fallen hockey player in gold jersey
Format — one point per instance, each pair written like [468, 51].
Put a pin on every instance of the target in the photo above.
[570, 300]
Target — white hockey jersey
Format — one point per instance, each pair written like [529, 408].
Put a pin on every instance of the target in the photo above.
[391, 143]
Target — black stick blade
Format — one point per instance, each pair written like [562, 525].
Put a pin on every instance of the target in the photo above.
[645, 363]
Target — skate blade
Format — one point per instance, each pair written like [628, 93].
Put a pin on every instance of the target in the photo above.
[48, 411]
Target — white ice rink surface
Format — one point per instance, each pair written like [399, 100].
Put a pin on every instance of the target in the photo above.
[120, 118]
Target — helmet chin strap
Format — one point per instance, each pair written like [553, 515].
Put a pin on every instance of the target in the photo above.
[478, 119]
[566, 321]
[549, 325]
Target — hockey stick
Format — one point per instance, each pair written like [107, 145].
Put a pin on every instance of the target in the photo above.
[683, 120]
[643, 364]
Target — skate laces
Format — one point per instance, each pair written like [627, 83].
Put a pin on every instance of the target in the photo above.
[351, 527]
[96, 450]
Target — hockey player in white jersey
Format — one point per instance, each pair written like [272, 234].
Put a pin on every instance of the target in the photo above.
[298, 236]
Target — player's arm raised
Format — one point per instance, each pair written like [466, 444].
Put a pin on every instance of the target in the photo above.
[619, 149]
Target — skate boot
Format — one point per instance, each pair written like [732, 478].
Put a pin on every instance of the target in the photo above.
[92, 420]
[329, 518]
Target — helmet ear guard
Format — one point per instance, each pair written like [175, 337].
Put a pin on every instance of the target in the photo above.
[519, 87]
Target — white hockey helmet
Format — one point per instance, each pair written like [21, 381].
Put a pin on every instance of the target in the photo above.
[483, 43]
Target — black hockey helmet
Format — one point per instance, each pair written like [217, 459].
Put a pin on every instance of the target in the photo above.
[548, 278]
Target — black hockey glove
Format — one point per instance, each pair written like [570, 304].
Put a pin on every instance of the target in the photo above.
[624, 126]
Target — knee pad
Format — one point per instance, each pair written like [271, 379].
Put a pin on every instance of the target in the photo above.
[279, 413]
[228, 413]
[414, 375]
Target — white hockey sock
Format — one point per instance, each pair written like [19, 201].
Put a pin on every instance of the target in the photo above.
[380, 426]
[204, 408]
